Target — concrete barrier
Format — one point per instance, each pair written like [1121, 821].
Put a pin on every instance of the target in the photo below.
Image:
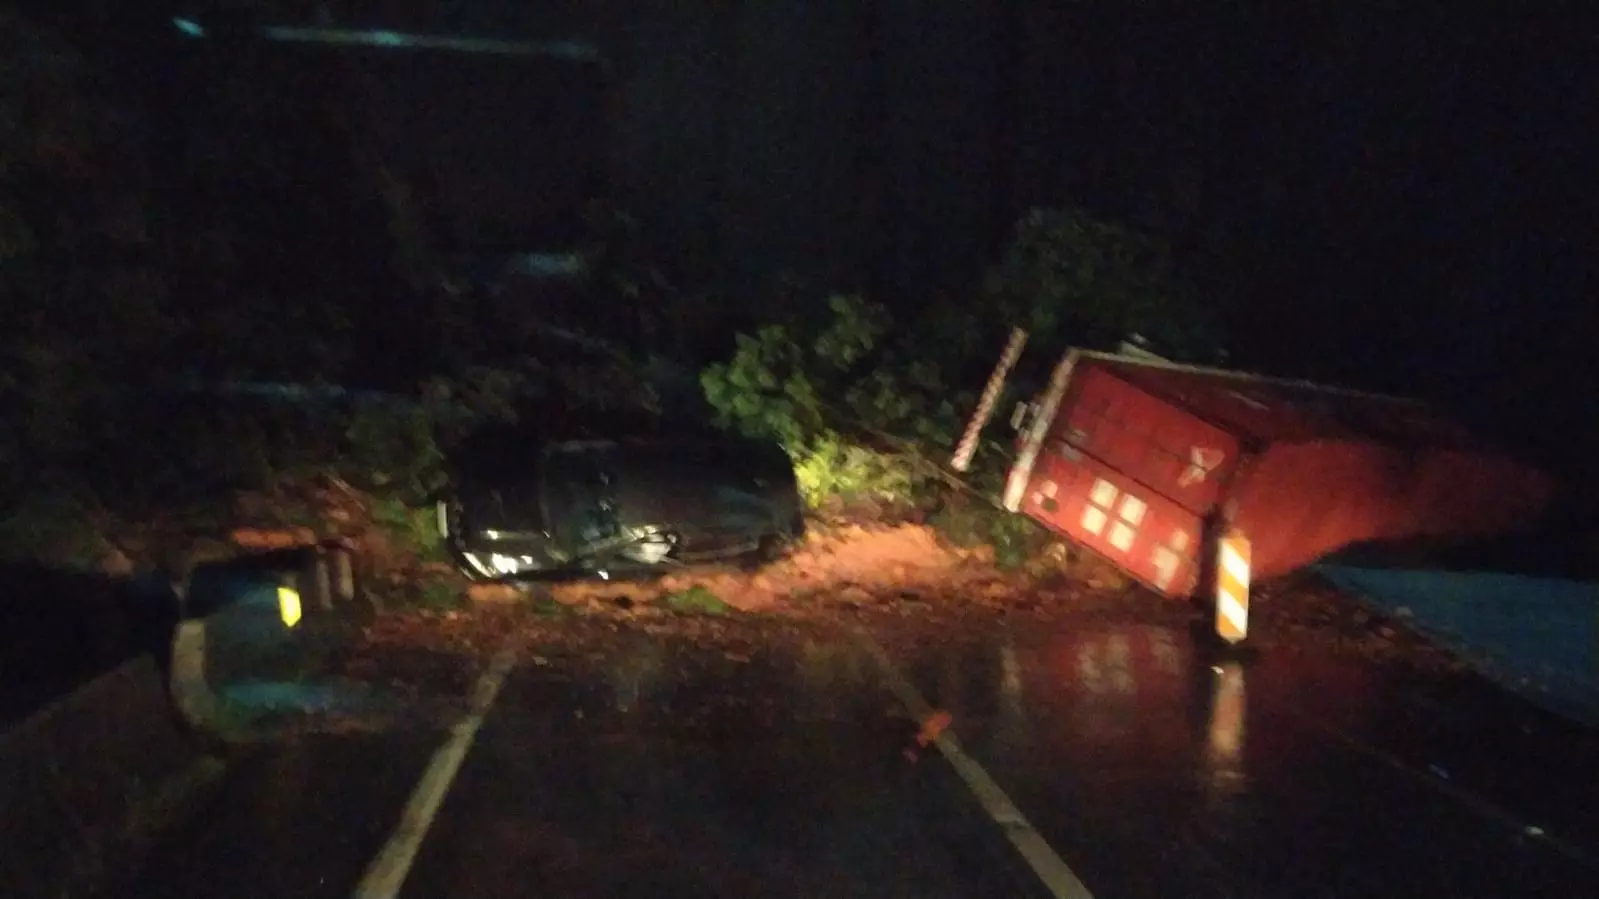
[88, 782]
[260, 618]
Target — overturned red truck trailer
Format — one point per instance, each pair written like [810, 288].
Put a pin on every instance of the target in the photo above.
[1147, 462]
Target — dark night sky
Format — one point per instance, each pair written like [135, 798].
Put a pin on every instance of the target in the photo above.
[1394, 200]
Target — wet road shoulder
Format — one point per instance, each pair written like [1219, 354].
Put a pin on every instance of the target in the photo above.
[1155, 772]
[300, 819]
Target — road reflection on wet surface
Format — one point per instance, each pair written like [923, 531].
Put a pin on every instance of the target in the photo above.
[780, 764]
[775, 771]
[1158, 769]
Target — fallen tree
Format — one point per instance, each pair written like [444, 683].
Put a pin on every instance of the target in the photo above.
[870, 409]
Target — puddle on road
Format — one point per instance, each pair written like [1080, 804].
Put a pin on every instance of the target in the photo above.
[1134, 712]
[1112, 730]
[798, 678]
[1133, 706]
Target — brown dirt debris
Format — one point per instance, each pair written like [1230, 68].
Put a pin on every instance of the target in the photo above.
[851, 564]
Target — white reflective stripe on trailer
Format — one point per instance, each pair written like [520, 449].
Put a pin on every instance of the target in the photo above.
[1021, 473]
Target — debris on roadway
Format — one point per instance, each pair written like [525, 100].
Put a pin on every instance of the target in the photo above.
[899, 580]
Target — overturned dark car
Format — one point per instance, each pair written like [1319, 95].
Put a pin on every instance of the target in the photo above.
[521, 507]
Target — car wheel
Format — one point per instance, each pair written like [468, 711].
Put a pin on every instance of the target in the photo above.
[774, 547]
[769, 551]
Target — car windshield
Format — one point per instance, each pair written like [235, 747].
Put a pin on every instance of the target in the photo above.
[579, 483]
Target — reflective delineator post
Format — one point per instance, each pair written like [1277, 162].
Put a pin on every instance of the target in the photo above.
[321, 580]
[343, 574]
[290, 607]
[985, 406]
[1232, 587]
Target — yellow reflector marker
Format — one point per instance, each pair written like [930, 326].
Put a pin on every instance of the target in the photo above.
[289, 605]
[1232, 587]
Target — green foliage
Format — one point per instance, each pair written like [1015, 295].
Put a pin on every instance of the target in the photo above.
[775, 382]
[854, 330]
[863, 408]
[774, 385]
[549, 607]
[393, 450]
[830, 467]
[909, 398]
[414, 528]
[1015, 539]
[1069, 278]
[437, 596]
[765, 391]
[860, 417]
[696, 600]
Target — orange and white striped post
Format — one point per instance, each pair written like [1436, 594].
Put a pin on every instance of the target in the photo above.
[1232, 587]
[985, 406]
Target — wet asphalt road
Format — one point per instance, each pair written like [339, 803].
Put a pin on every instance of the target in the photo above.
[670, 768]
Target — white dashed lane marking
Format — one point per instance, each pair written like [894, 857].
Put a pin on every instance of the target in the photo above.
[385, 876]
[1056, 876]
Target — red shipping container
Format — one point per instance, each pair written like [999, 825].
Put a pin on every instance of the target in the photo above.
[1145, 461]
